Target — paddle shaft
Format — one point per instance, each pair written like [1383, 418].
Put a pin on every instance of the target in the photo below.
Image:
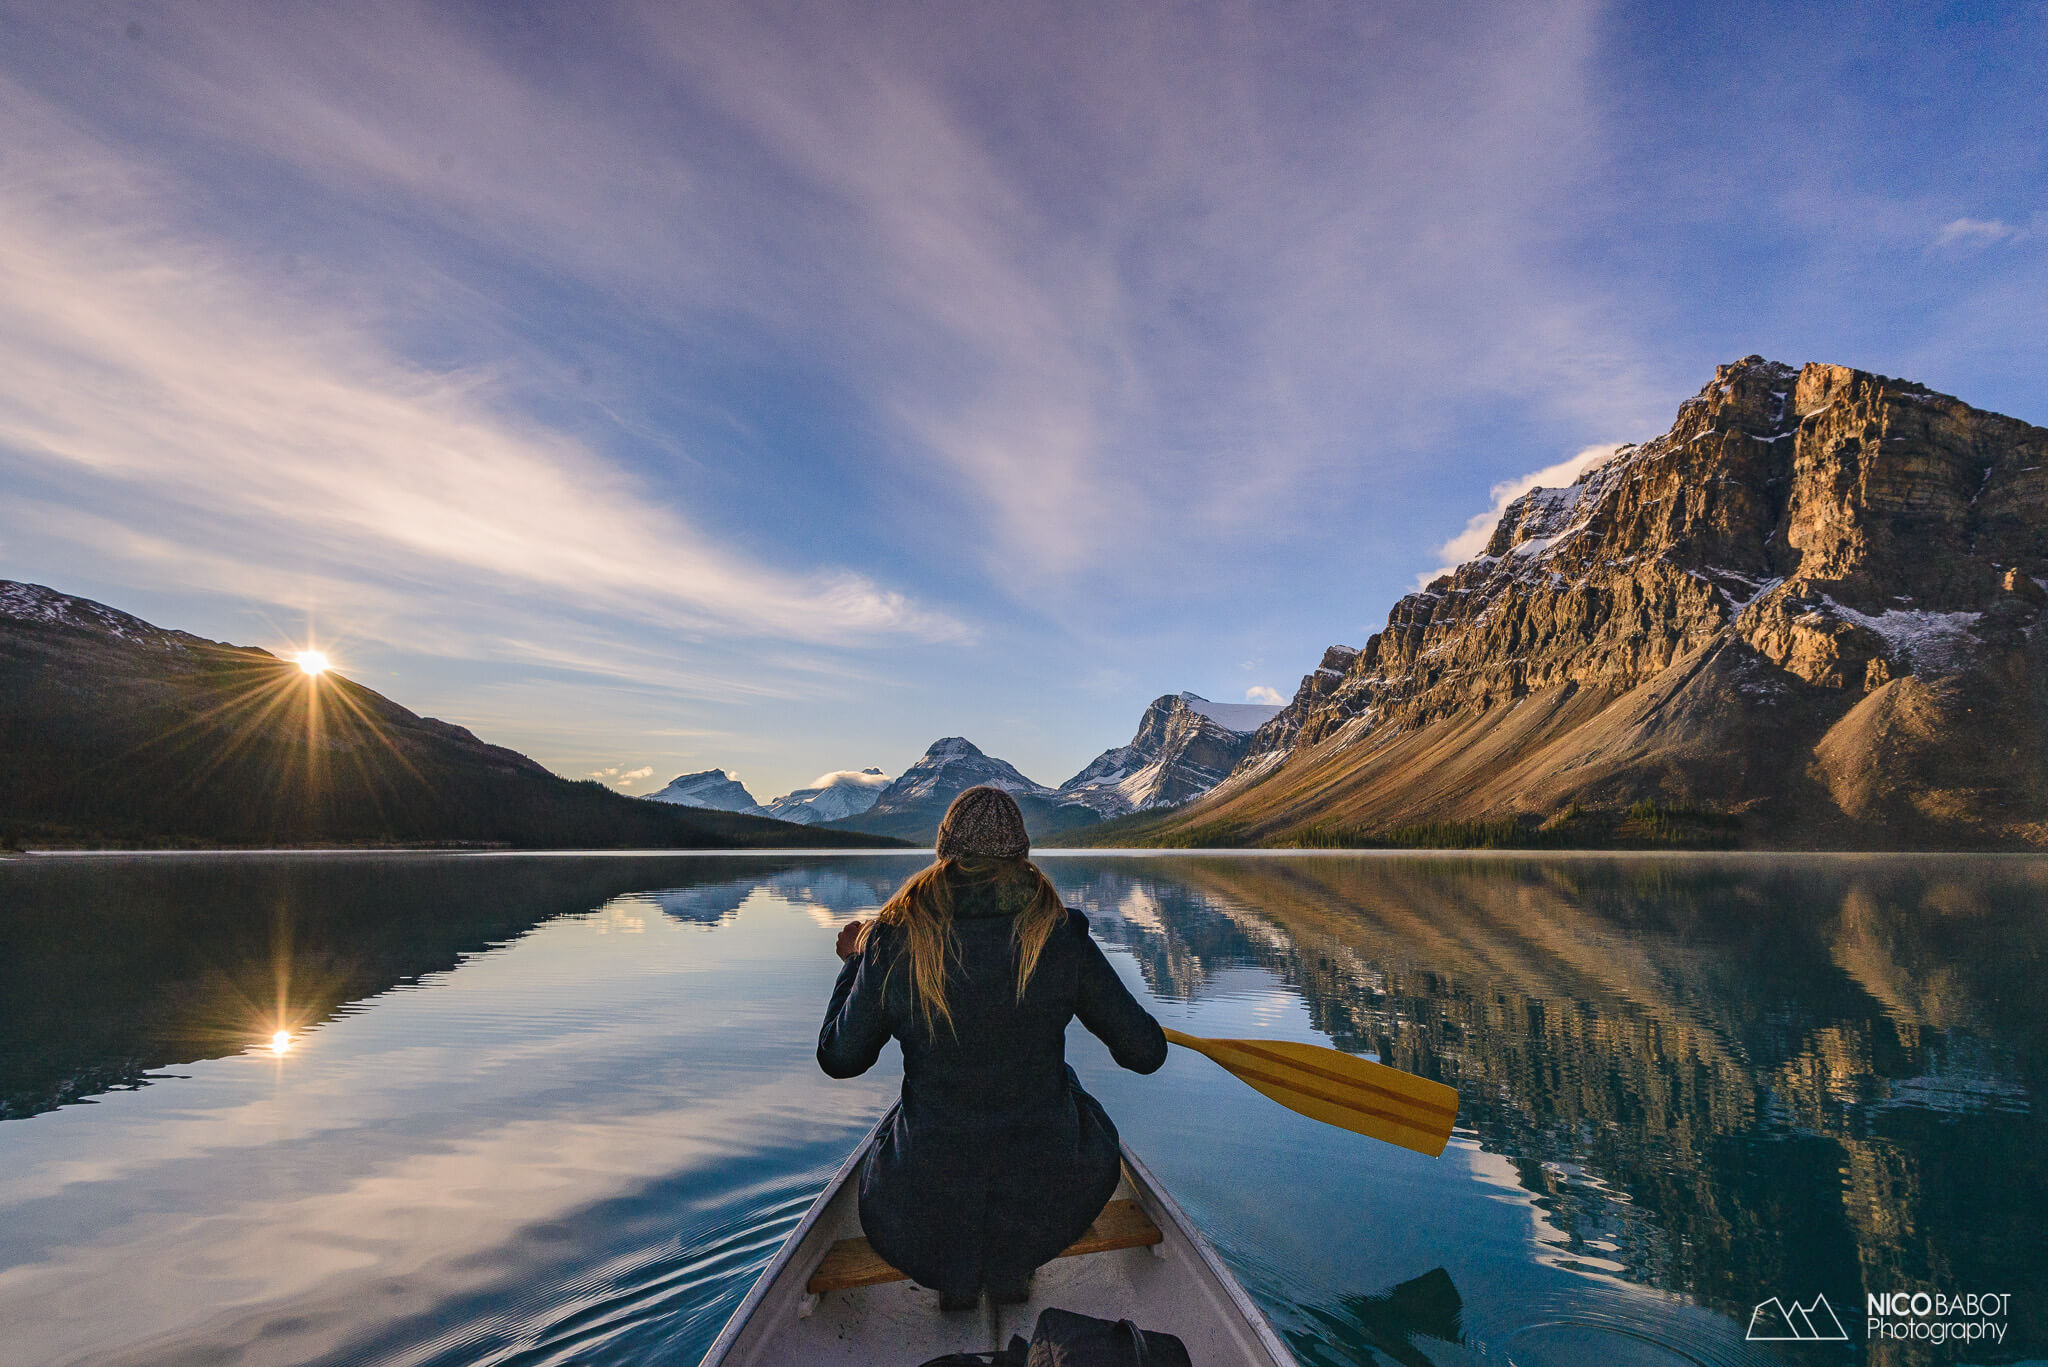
[1338, 1089]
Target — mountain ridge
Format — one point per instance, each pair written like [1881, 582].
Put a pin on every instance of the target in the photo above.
[911, 807]
[1184, 746]
[1810, 613]
[119, 732]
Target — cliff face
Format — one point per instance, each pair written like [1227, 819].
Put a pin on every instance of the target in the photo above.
[1815, 604]
[1184, 746]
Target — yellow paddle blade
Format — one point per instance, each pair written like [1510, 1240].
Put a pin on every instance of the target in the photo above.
[1339, 1089]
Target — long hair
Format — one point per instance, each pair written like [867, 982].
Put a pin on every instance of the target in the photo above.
[923, 908]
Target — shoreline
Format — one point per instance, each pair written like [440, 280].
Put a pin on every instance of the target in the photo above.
[1060, 852]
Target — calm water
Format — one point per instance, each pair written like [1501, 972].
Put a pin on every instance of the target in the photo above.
[544, 1110]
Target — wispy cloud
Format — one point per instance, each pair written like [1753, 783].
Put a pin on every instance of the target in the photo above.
[1106, 299]
[137, 357]
[1175, 302]
[1978, 232]
[1265, 694]
[1479, 529]
[619, 776]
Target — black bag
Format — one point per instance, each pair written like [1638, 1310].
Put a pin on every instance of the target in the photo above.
[1016, 1355]
[1063, 1338]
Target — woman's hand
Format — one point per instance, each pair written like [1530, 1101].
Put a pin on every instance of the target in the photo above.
[848, 943]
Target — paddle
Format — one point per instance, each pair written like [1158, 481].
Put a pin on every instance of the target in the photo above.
[1339, 1089]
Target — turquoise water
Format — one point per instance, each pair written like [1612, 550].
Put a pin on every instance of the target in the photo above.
[559, 1109]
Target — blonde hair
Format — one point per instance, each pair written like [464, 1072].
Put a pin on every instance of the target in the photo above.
[923, 908]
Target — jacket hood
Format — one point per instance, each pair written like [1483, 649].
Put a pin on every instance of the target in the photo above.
[1004, 892]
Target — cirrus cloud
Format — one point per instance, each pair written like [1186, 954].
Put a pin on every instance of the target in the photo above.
[140, 361]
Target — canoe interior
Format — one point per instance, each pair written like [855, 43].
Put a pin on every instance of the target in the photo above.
[1177, 1285]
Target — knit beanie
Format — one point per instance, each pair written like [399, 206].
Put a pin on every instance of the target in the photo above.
[983, 821]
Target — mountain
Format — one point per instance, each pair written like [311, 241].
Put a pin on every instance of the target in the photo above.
[1810, 614]
[712, 789]
[1185, 745]
[117, 732]
[910, 808]
[832, 797]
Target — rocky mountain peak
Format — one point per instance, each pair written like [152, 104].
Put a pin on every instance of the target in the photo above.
[1184, 746]
[1798, 540]
[949, 767]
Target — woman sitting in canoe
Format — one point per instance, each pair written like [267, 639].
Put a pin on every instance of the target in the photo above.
[995, 1159]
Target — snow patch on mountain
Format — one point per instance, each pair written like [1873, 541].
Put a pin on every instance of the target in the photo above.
[712, 789]
[1925, 640]
[1184, 746]
[831, 797]
[47, 607]
[952, 765]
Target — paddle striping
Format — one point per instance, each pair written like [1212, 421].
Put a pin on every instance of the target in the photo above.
[1339, 1089]
[1429, 1110]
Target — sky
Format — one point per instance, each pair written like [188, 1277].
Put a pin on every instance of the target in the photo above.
[782, 387]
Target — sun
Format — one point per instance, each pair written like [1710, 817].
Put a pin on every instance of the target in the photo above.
[312, 661]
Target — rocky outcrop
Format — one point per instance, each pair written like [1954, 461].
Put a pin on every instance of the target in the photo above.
[1185, 745]
[711, 789]
[1815, 603]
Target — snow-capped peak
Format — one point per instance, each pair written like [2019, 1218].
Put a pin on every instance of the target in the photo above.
[952, 765]
[712, 788]
[831, 797]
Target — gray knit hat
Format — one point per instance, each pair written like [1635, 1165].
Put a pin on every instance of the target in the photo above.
[983, 821]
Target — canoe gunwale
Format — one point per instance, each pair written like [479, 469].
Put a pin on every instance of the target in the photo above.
[1152, 1197]
[792, 1243]
[1152, 1191]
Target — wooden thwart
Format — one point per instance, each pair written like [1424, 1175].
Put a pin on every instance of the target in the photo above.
[850, 1262]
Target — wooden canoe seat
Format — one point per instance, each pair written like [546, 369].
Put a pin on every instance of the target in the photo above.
[850, 1262]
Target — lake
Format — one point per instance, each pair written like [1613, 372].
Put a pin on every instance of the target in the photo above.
[541, 1109]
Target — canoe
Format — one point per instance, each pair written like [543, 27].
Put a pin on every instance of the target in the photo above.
[827, 1300]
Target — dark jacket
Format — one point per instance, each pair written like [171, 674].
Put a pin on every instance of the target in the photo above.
[995, 1159]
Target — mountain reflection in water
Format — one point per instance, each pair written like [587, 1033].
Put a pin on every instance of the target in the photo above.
[1688, 1084]
[113, 968]
[1714, 1075]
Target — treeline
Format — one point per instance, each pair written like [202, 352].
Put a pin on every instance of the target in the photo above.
[106, 742]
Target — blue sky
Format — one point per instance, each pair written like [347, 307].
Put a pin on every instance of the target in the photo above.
[782, 387]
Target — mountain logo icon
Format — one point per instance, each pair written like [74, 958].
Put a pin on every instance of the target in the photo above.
[1814, 1322]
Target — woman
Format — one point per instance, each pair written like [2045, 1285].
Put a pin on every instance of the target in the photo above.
[995, 1159]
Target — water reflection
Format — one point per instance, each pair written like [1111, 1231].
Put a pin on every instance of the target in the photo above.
[1687, 1086]
[1713, 1076]
[114, 969]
